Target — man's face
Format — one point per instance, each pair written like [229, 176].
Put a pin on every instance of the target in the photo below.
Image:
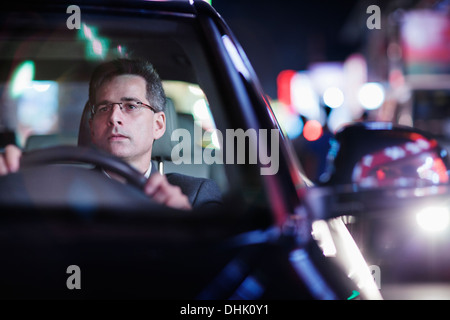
[127, 136]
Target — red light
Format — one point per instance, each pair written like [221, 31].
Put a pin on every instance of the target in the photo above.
[284, 86]
[440, 168]
[312, 130]
[381, 175]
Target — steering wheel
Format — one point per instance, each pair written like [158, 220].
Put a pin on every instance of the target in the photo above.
[97, 157]
[45, 178]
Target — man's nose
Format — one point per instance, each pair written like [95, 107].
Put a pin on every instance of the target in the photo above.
[115, 115]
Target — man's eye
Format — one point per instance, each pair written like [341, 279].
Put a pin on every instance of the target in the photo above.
[130, 106]
[102, 109]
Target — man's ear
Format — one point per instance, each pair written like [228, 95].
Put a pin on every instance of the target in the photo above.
[159, 125]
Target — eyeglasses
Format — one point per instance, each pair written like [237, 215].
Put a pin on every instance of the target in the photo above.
[128, 107]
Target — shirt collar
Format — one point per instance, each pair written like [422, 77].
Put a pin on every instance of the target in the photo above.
[146, 174]
[149, 170]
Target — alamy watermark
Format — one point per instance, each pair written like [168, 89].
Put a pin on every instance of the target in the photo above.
[374, 20]
[74, 280]
[241, 147]
[74, 20]
[376, 274]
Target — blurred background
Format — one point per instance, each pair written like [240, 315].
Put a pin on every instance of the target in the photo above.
[326, 63]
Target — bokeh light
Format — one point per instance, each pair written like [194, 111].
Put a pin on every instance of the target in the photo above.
[371, 95]
[22, 78]
[333, 97]
[312, 130]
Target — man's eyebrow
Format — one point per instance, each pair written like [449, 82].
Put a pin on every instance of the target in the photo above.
[102, 102]
[123, 99]
[129, 99]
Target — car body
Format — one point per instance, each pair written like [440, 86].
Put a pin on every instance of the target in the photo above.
[56, 218]
[393, 182]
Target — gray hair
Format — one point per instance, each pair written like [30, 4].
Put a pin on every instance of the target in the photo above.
[106, 71]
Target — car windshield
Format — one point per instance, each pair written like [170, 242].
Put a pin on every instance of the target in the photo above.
[47, 60]
[47, 66]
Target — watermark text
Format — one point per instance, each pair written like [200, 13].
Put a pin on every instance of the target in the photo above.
[240, 147]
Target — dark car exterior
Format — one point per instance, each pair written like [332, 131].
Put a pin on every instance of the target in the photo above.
[261, 245]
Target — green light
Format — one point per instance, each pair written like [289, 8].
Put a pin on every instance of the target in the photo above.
[87, 33]
[121, 51]
[354, 295]
[96, 47]
[21, 78]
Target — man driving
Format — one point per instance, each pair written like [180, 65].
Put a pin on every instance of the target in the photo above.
[127, 103]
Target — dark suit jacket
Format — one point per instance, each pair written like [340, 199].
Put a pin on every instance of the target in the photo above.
[201, 192]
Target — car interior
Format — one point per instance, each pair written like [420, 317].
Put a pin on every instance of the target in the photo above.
[45, 69]
[61, 62]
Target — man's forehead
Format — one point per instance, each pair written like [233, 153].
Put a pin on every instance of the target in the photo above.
[125, 80]
[123, 87]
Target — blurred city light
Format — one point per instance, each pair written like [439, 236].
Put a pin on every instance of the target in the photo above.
[433, 219]
[41, 87]
[294, 127]
[37, 109]
[333, 97]
[303, 97]
[22, 78]
[284, 86]
[87, 32]
[325, 75]
[120, 49]
[312, 130]
[338, 117]
[96, 47]
[425, 36]
[371, 95]
[355, 75]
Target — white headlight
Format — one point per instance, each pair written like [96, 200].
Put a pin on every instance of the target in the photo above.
[433, 219]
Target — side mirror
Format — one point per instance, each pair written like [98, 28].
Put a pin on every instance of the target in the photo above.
[377, 166]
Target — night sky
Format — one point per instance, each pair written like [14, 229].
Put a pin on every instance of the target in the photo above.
[287, 34]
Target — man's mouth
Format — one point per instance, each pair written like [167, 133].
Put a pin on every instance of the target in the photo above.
[117, 137]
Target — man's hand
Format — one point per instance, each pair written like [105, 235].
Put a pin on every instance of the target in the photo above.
[156, 187]
[10, 160]
[163, 192]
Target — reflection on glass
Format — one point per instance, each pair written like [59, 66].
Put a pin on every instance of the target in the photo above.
[414, 164]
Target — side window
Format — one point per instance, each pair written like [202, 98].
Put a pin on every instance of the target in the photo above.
[196, 134]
